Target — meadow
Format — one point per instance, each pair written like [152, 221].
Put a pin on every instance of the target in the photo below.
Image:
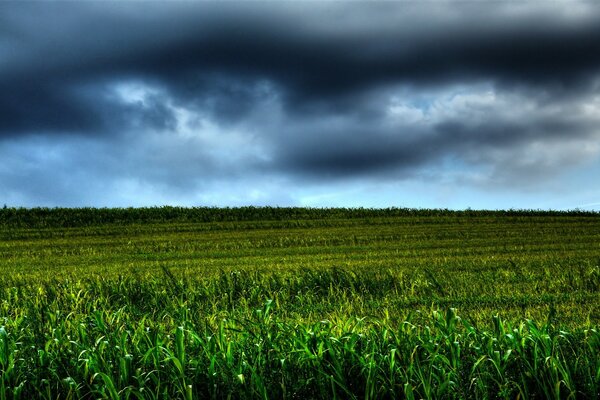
[298, 303]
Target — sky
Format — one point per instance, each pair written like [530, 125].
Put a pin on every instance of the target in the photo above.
[435, 104]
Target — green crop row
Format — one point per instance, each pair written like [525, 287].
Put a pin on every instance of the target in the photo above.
[299, 303]
[107, 354]
[76, 217]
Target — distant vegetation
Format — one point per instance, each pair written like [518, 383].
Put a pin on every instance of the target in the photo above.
[299, 303]
[78, 217]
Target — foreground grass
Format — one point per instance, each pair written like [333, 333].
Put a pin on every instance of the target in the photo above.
[169, 338]
[296, 303]
[109, 355]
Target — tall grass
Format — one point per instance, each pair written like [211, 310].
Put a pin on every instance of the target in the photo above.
[116, 353]
[294, 303]
[164, 337]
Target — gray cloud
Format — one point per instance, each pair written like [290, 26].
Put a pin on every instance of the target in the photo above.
[179, 97]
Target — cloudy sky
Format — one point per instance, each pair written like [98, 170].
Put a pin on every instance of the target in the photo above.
[407, 104]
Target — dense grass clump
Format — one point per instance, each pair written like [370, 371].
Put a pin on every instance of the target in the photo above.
[297, 303]
[128, 339]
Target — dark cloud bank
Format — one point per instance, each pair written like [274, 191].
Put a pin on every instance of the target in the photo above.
[174, 102]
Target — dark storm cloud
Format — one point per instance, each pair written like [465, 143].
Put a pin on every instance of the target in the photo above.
[195, 51]
[47, 107]
[370, 150]
[302, 90]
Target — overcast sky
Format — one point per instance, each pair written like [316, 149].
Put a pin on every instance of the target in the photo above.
[406, 104]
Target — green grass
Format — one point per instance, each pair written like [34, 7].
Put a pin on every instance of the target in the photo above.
[299, 303]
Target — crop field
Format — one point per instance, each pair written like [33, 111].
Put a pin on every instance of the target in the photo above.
[299, 303]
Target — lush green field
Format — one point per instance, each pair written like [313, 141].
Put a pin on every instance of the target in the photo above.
[299, 303]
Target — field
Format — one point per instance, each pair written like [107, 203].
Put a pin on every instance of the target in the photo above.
[299, 303]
